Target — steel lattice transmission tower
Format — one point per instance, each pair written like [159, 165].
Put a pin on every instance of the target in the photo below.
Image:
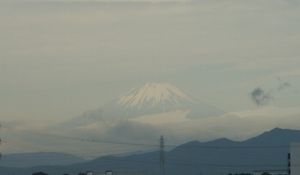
[162, 155]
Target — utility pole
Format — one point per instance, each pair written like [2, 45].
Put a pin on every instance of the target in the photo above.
[162, 155]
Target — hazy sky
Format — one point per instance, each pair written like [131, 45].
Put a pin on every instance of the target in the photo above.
[59, 59]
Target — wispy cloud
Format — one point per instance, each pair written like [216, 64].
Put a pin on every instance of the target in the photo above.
[283, 84]
[260, 97]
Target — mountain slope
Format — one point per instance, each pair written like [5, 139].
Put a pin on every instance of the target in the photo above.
[36, 159]
[154, 98]
[215, 157]
[154, 94]
[277, 136]
[150, 100]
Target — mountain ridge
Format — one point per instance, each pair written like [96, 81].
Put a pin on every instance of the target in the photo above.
[31, 159]
[195, 157]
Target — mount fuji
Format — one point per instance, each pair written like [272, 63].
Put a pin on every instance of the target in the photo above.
[160, 102]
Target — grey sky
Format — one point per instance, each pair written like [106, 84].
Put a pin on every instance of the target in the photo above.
[60, 59]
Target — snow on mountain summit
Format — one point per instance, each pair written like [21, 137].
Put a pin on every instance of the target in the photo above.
[150, 103]
[154, 94]
[157, 98]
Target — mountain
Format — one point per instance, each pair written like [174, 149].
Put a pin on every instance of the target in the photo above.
[155, 98]
[266, 151]
[150, 100]
[40, 158]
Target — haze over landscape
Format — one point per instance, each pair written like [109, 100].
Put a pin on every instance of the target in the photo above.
[84, 79]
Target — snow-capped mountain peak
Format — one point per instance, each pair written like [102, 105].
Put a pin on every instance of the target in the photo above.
[153, 103]
[154, 94]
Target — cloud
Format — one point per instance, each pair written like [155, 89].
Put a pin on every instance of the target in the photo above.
[283, 85]
[238, 125]
[130, 130]
[101, 51]
[260, 97]
[292, 2]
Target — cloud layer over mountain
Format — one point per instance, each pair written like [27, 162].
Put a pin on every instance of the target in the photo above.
[237, 126]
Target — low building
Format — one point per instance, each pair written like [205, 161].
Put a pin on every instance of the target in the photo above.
[108, 172]
[40, 173]
[294, 159]
[271, 172]
[90, 173]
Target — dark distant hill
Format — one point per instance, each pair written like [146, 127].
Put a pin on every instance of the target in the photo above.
[37, 159]
[266, 151]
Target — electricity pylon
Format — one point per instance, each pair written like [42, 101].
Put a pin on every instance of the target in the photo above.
[162, 155]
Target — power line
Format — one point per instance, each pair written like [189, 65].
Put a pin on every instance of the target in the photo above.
[193, 164]
[162, 155]
[175, 145]
[102, 141]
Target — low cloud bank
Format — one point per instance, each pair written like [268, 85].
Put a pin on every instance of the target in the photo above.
[120, 136]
